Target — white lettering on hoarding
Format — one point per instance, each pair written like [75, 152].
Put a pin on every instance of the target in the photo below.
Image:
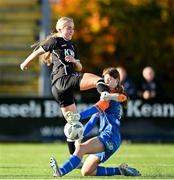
[23, 110]
[52, 131]
[50, 109]
[132, 109]
[136, 108]
[168, 110]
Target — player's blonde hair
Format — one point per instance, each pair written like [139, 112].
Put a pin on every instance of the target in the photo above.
[61, 23]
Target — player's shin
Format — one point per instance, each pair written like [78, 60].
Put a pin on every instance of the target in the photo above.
[71, 146]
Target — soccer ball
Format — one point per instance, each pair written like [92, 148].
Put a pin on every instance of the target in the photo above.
[74, 131]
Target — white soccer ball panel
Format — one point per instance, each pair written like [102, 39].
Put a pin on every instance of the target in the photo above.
[74, 131]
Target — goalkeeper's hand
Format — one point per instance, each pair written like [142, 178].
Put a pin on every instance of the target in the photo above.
[104, 96]
[113, 96]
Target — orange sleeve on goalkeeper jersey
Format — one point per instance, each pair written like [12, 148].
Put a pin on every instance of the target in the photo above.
[102, 105]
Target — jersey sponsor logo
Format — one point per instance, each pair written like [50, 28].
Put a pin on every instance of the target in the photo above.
[63, 45]
[68, 52]
[72, 47]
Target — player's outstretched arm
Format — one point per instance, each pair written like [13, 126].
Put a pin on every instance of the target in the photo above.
[100, 106]
[119, 97]
[90, 124]
[31, 57]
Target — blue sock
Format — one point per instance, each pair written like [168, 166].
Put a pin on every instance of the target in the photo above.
[106, 171]
[90, 124]
[70, 164]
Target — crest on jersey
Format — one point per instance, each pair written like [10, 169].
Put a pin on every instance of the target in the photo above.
[110, 145]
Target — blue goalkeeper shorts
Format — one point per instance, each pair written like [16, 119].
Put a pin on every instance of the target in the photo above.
[111, 142]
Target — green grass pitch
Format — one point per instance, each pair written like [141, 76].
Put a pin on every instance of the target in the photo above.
[31, 161]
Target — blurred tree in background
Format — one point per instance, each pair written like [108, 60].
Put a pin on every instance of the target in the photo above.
[132, 33]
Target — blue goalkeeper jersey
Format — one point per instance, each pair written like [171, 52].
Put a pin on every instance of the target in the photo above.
[109, 119]
[111, 115]
[109, 130]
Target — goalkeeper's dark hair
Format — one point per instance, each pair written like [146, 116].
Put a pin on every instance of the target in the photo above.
[112, 71]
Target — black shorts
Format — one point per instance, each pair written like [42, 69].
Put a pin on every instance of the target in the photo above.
[64, 87]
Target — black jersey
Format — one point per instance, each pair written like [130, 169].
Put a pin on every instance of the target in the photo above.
[60, 48]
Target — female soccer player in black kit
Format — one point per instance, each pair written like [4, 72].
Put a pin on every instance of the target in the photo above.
[66, 77]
